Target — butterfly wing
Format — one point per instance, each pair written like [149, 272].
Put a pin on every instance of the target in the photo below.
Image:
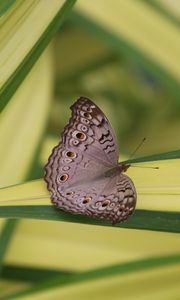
[77, 170]
[88, 148]
[104, 146]
[112, 198]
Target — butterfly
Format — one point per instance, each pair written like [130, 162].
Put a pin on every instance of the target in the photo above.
[83, 174]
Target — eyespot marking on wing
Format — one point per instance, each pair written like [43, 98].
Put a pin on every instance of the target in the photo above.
[63, 178]
[81, 136]
[106, 203]
[71, 154]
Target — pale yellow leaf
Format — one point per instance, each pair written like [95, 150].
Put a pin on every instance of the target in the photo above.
[16, 35]
[23, 120]
[140, 26]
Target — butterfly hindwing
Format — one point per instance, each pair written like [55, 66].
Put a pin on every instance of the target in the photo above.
[112, 199]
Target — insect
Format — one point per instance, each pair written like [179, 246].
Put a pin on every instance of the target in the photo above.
[83, 174]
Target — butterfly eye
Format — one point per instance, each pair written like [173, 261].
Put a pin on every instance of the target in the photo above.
[64, 177]
[106, 203]
[81, 136]
[87, 200]
[71, 154]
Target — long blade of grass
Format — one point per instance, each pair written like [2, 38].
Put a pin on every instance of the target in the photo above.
[162, 156]
[27, 274]
[96, 274]
[5, 238]
[148, 220]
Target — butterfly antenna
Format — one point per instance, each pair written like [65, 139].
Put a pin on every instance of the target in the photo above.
[155, 168]
[134, 152]
[137, 148]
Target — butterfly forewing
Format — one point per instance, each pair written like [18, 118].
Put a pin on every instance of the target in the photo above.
[87, 118]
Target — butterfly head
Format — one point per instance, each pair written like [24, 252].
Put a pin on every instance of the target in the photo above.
[124, 167]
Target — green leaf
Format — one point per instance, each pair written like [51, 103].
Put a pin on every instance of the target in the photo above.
[130, 28]
[34, 275]
[5, 5]
[23, 135]
[100, 273]
[151, 220]
[19, 73]
[162, 156]
[5, 237]
[166, 8]
[30, 105]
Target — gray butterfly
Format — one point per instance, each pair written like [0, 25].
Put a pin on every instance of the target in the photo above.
[83, 174]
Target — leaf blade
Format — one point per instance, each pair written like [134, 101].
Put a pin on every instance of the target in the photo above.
[11, 84]
[141, 265]
[5, 6]
[5, 238]
[146, 220]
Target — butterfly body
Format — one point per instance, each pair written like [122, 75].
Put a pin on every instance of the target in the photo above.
[83, 174]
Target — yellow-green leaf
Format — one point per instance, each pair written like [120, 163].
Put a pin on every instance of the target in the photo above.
[139, 31]
[20, 50]
[29, 106]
